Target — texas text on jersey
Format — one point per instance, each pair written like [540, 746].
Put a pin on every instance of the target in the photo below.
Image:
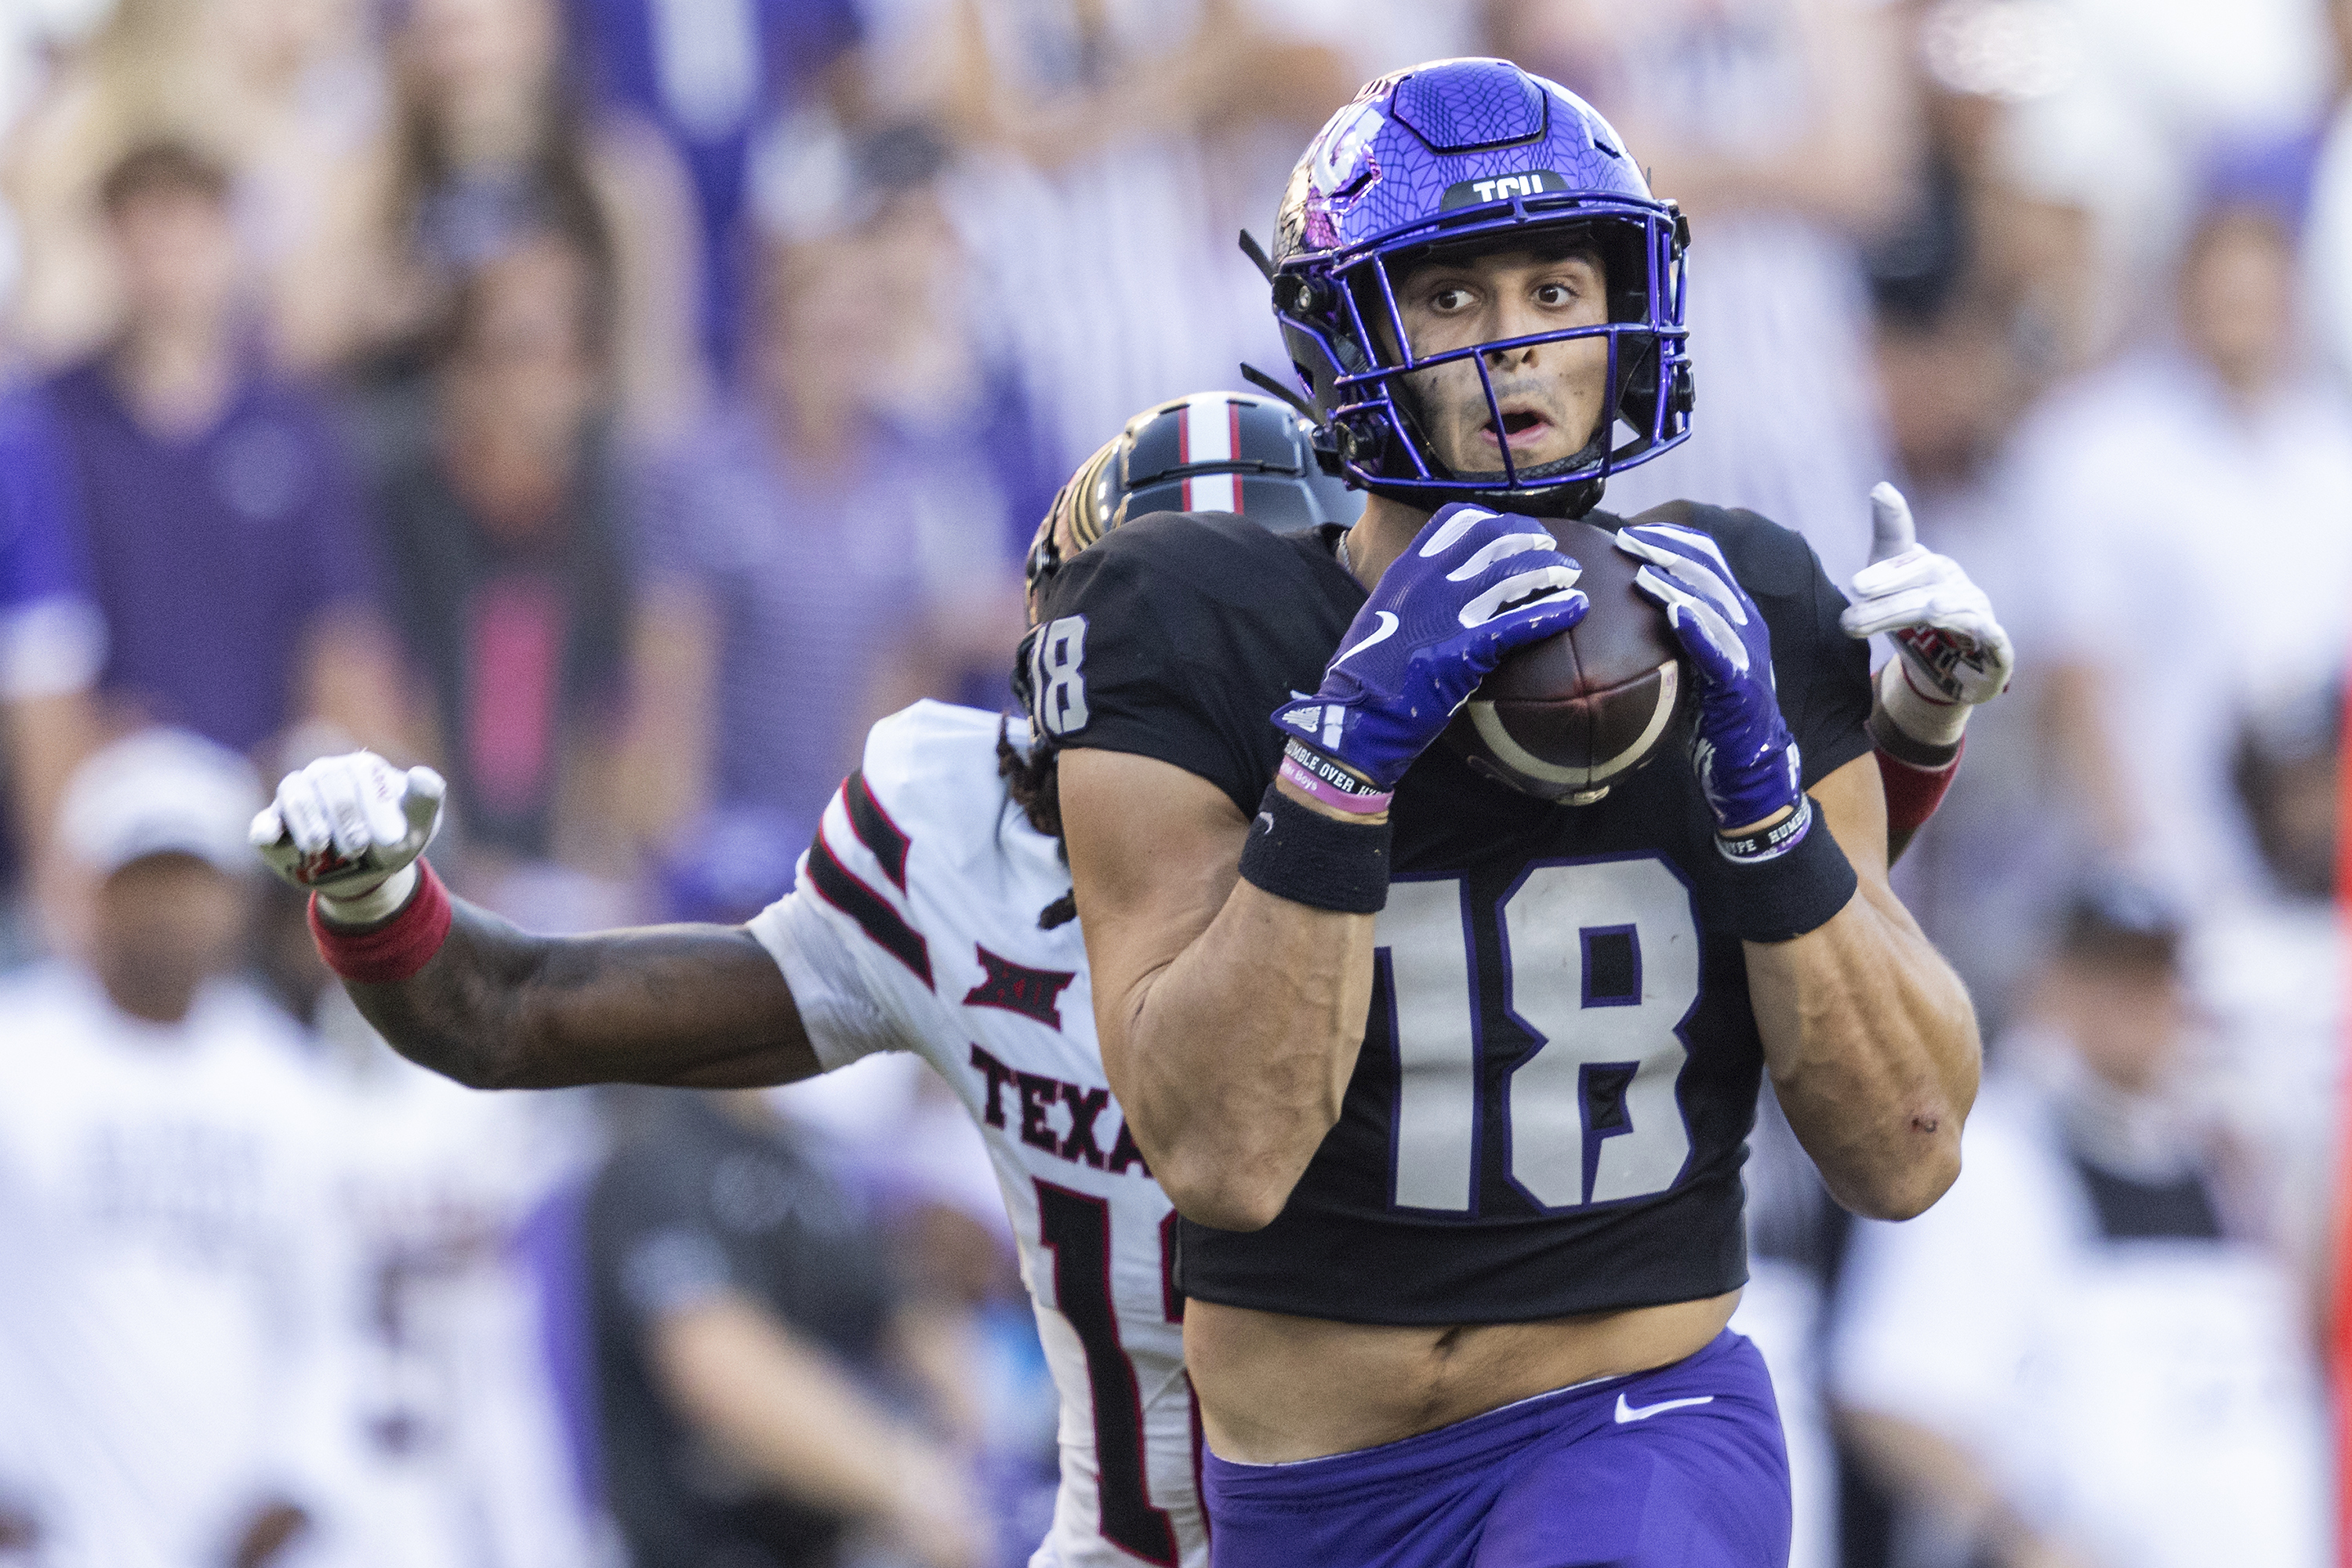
[912, 926]
[1561, 1065]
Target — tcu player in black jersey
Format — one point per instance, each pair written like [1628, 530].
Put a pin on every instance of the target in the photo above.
[931, 915]
[1450, 1084]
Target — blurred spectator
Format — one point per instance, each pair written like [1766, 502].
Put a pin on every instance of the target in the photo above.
[743, 1318]
[2089, 1353]
[2286, 766]
[2273, 974]
[1786, 129]
[813, 544]
[1115, 148]
[463, 1460]
[2329, 254]
[52, 636]
[2106, 111]
[891, 1126]
[1982, 877]
[464, 1446]
[166, 1320]
[2160, 497]
[709, 74]
[280, 90]
[228, 554]
[937, 381]
[507, 518]
[488, 142]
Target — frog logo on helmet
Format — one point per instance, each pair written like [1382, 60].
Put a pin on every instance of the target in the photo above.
[1474, 152]
[1342, 161]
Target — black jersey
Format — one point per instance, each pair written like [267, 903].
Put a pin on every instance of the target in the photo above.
[1561, 1065]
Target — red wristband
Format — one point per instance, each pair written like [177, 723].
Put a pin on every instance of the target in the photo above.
[1913, 793]
[393, 952]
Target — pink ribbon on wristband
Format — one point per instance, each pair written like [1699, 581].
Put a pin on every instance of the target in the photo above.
[394, 951]
[1332, 794]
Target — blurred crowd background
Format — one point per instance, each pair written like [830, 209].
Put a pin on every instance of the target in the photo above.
[620, 403]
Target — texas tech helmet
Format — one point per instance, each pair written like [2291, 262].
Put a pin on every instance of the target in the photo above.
[1214, 451]
[1474, 154]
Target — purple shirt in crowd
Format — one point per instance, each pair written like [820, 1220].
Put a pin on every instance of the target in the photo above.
[50, 639]
[707, 74]
[815, 579]
[212, 556]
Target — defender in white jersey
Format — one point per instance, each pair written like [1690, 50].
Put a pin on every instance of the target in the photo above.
[913, 926]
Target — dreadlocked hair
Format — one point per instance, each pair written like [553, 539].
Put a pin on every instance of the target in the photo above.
[1033, 782]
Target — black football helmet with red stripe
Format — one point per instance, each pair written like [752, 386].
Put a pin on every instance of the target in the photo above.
[1214, 451]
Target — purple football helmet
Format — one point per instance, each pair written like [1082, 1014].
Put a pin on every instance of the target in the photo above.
[1474, 153]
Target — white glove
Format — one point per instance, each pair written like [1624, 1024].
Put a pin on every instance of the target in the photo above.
[1954, 653]
[350, 828]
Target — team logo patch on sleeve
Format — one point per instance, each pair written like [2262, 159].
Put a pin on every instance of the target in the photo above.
[1017, 988]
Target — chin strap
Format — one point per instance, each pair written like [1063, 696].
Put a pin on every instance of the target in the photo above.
[1274, 388]
[1256, 252]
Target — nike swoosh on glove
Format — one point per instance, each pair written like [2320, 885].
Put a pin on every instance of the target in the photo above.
[1437, 626]
[1953, 652]
[348, 828]
[1746, 761]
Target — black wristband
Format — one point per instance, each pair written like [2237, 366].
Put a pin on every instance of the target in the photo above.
[1300, 854]
[1796, 891]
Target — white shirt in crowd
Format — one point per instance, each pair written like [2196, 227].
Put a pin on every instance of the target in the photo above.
[169, 1358]
[463, 1459]
[2204, 556]
[2150, 1401]
[1112, 279]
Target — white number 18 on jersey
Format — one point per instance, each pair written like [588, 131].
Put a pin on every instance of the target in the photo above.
[1600, 964]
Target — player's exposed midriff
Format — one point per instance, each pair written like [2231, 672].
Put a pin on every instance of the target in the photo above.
[1275, 1389]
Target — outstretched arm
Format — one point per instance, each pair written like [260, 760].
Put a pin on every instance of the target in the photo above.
[459, 990]
[1230, 1017]
[697, 1006]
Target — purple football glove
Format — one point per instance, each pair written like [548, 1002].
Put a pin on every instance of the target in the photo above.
[1432, 631]
[1746, 761]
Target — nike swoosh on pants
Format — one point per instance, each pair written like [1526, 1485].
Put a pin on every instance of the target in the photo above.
[1644, 1412]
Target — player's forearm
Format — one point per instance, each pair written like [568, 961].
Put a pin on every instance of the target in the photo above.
[1236, 1056]
[1873, 1048]
[1229, 1018]
[498, 1007]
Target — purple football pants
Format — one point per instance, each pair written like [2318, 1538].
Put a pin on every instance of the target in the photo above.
[1678, 1467]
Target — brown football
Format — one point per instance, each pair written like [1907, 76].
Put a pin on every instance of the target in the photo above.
[1566, 718]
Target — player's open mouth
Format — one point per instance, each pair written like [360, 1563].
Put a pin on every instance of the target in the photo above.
[1524, 428]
